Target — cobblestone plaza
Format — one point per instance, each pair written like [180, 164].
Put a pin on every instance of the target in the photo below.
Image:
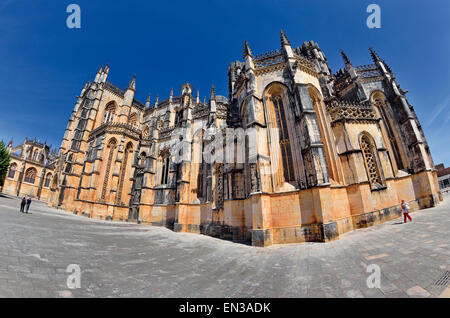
[129, 260]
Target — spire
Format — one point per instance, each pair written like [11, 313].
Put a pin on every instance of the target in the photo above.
[157, 101]
[171, 95]
[132, 84]
[247, 51]
[284, 39]
[86, 85]
[213, 92]
[374, 55]
[97, 76]
[345, 58]
[198, 96]
[104, 74]
[147, 102]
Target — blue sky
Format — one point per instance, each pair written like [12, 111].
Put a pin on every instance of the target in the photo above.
[44, 64]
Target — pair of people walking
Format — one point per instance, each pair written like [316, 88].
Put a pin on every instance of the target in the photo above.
[25, 205]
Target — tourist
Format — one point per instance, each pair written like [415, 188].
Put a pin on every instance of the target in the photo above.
[405, 210]
[22, 204]
[28, 204]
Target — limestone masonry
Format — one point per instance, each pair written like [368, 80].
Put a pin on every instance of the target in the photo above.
[327, 153]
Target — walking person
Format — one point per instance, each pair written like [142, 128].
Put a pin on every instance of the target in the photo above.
[405, 210]
[22, 204]
[28, 205]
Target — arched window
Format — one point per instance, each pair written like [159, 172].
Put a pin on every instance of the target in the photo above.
[370, 160]
[327, 137]
[111, 147]
[68, 168]
[142, 159]
[145, 133]
[110, 111]
[133, 119]
[30, 175]
[165, 169]
[41, 157]
[198, 162]
[128, 151]
[178, 117]
[12, 170]
[48, 179]
[244, 115]
[380, 104]
[35, 155]
[285, 144]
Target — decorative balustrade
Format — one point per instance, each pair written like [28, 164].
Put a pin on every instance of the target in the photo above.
[120, 128]
[201, 111]
[368, 71]
[166, 132]
[268, 59]
[347, 110]
[343, 80]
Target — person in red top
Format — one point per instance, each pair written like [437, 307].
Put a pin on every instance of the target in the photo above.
[405, 210]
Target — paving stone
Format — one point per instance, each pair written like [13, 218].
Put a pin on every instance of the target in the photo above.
[417, 291]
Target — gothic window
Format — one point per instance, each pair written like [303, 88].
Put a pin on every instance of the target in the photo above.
[142, 158]
[326, 135]
[128, 151]
[145, 133]
[68, 168]
[76, 144]
[381, 106]
[285, 144]
[198, 153]
[244, 116]
[200, 182]
[69, 164]
[78, 134]
[30, 175]
[81, 126]
[48, 178]
[29, 153]
[110, 111]
[111, 147]
[248, 187]
[12, 171]
[165, 169]
[370, 160]
[178, 117]
[133, 119]
[35, 155]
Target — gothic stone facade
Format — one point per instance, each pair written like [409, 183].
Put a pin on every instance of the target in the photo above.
[31, 171]
[332, 152]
